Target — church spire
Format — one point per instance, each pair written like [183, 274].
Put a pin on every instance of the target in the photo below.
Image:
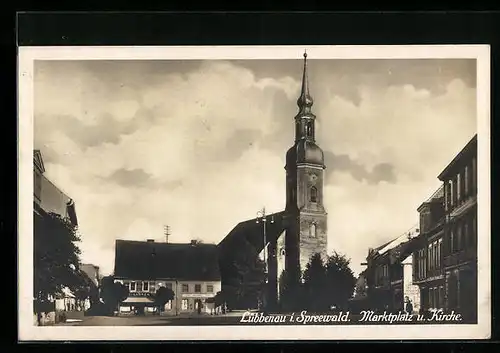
[305, 101]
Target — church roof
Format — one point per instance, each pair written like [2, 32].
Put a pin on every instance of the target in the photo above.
[152, 260]
[252, 232]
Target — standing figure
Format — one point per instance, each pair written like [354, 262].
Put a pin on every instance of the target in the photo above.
[409, 305]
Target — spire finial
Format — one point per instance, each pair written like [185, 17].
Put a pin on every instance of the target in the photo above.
[305, 101]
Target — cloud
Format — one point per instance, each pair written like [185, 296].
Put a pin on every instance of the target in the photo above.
[134, 177]
[201, 146]
[380, 172]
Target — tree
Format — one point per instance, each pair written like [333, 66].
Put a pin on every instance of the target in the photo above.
[84, 288]
[315, 283]
[329, 283]
[113, 293]
[340, 280]
[162, 296]
[244, 274]
[292, 295]
[219, 299]
[56, 258]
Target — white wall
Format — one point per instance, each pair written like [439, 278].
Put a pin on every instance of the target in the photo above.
[409, 289]
[280, 259]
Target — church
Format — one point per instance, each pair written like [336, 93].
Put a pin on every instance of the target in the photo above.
[289, 238]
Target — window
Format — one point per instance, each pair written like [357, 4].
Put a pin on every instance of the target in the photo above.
[459, 237]
[474, 175]
[312, 230]
[185, 288]
[440, 251]
[459, 187]
[145, 286]
[467, 241]
[210, 288]
[451, 192]
[429, 257]
[452, 241]
[314, 194]
[197, 288]
[168, 285]
[466, 180]
[184, 304]
[132, 287]
[309, 129]
[474, 230]
[168, 305]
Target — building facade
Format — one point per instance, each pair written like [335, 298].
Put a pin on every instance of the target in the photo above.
[445, 265]
[460, 243]
[47, 199]
[428, 258]
[191, 271]
[389, 274]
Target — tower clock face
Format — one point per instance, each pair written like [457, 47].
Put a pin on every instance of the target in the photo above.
[313, 177]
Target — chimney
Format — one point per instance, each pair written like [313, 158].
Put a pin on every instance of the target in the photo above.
[150, 240]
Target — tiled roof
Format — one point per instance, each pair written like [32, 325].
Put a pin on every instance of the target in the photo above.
[253, 232]
[152, 260]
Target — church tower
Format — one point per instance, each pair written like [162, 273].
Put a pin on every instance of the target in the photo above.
[306, 232]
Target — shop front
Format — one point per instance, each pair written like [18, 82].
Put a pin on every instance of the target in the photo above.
[197, 303]
[137, 306]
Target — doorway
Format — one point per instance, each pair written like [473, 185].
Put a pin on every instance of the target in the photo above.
[198, 305]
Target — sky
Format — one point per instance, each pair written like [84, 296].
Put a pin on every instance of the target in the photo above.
[200, 145]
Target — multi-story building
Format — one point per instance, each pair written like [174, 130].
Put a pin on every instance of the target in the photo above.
[389, 276]
[428, 257]
[48, 198]
[445, 266]
[191, 271]
[460, 243]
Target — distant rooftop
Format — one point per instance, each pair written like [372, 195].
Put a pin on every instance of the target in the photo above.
[155, 260]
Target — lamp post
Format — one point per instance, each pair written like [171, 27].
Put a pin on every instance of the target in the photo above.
[262, 217]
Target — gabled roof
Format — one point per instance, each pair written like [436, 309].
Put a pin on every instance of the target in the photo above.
[437, 196]
[38, 160]
[151, 260]
[394, 245]
[253, 233]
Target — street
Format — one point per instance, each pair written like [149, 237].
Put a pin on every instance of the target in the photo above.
[228, 319]
[232, 318]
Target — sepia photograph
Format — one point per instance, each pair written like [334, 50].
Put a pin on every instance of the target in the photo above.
[314, 192]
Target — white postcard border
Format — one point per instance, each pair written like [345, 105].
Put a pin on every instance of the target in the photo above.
[29, 332]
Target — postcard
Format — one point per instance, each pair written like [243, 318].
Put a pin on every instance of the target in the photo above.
[254, 193]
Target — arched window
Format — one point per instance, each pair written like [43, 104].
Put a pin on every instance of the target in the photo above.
[314, 194]
[312, 230]
[309, 129]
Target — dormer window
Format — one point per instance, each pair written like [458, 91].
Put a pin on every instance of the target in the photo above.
[314, 194]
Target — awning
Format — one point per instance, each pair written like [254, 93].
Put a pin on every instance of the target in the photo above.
[138, 300]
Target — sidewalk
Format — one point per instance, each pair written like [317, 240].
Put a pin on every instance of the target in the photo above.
[203, 315]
